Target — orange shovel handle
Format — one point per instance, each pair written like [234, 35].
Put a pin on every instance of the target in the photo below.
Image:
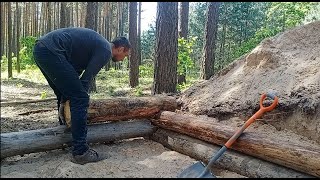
[254, 117]
[272, 106]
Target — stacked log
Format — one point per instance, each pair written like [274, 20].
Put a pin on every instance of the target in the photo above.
[298, 156]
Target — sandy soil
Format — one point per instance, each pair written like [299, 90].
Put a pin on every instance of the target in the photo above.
[137, 157]
[287, 65]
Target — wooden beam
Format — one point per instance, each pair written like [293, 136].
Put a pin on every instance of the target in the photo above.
[231, 160]
[4, 104]
[299, 156]
[124, 108]
[19, 143]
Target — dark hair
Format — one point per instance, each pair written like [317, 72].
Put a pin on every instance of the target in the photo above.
[121, 42]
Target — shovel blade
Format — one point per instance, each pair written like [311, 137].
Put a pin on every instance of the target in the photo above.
[195, 170]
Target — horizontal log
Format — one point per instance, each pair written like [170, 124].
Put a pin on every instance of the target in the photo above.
[124, 108]
[299, 156]
[231, 160]
[24, 142]
[4, 104]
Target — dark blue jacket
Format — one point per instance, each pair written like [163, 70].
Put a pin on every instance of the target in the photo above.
[85, 49]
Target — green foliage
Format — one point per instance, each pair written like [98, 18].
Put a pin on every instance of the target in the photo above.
[148, 40]
[111, 90]
[146, 71]
[279, 16]
[26, 52]
[254, 41]
[197, 21]
[183, 86]
[287, 15]
[185, 49]
[138, 91]
[19, 85]
[44, 95]
[313, 14]
[4, 63]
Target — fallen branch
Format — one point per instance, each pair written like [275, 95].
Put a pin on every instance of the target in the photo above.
[3, 104]
[19, 143]
[301, 157]
[231, 160]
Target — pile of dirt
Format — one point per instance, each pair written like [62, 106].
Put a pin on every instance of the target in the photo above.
[287, 64]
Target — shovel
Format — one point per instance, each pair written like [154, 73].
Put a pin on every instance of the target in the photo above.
[199, 170]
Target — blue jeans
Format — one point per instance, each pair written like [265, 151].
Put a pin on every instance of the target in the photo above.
[65, 82]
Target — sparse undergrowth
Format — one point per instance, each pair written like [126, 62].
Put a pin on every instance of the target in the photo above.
[111, 83]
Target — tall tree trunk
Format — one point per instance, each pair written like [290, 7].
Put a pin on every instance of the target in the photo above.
[31, 16]
[184, 19]
[120, 24]
[90, 16]
[18, 35]
[139, 34]
[91, 24]
[71, 15]
[77, 14]
[49, 27]
[96, 14]
[116, 27]
[107, 27]
[109, 24]
[245, 31]
[223, 36]
[207, 69]
[63, 15]
[54, 15]
[35, 30]
[2, 28]
[165, 67]
[107, 17]
[42, 19]
[57, 20]
[84, 14]
[9, 40]
[26, 20]
[14, 32]
[68, 19]
[117, 65]
[133, 60]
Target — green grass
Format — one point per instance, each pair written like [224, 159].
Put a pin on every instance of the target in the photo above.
[33, 75]
[110, 83]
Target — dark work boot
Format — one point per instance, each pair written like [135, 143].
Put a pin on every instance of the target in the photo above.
[88, 157]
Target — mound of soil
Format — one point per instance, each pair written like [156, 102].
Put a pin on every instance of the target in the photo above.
[287, 64]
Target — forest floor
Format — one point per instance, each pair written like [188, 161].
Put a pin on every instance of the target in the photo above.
[136, 157]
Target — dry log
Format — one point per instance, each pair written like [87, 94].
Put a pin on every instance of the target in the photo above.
[19, 143]
[124, 108]
[3, 104]
[231, 160]
[299, 156]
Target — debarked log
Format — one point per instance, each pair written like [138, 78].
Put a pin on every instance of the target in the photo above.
[299, 156]
[124, 108]
[231, 160]
[24, 142]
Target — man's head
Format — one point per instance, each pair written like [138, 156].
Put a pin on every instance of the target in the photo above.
[120, 48]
